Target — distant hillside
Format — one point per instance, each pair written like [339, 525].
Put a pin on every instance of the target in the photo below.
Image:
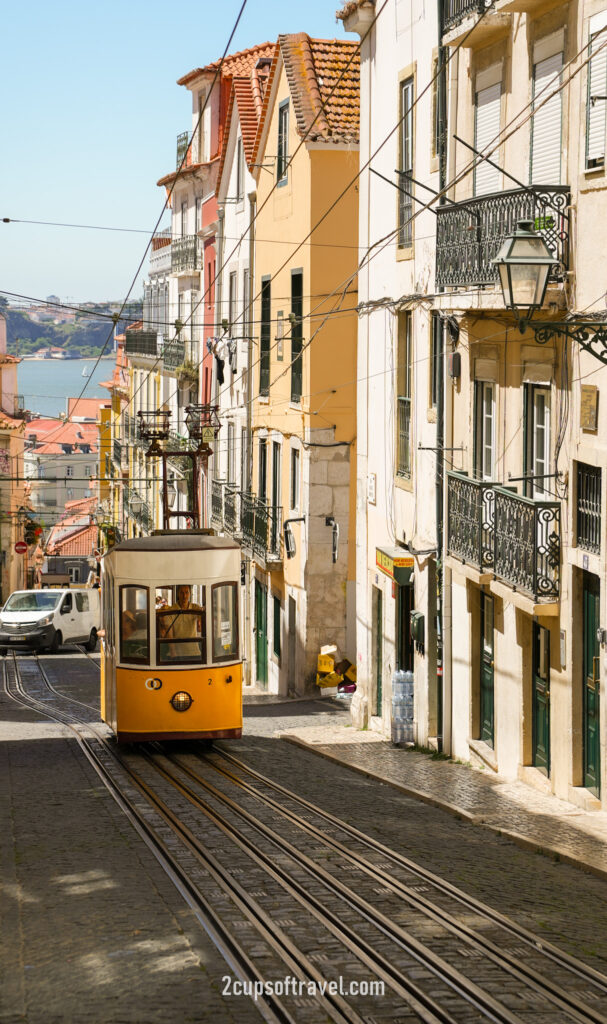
[85, 337]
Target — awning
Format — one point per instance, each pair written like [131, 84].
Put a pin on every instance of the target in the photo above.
[395, 564]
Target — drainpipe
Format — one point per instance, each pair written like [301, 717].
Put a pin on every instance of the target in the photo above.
[443, 646]
[248, 458]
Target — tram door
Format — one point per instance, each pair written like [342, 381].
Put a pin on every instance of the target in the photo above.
[261, 632]
[541, 698]
[592, 679]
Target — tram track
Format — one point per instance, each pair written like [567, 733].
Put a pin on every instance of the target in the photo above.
[98, 752]
[419, 982]
[456, 898]
[568, 1003]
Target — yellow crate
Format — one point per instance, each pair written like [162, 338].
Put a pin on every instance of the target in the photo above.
[325, 663]
[351, 674]
[329, 679]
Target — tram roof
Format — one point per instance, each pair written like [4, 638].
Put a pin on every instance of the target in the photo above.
[182, 540]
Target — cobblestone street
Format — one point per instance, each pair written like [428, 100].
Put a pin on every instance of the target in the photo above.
[94, 930]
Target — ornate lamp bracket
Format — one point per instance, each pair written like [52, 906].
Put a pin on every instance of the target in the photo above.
[591, 335]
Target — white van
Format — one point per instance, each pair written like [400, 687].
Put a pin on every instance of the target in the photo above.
[45, 619]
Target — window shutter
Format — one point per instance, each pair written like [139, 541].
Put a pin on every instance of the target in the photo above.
[486, 128]
[595, 114]
[546, 123]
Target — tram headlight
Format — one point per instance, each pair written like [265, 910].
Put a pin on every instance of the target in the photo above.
[181, 701]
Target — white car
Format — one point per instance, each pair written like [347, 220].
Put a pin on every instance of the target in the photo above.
[45, 619]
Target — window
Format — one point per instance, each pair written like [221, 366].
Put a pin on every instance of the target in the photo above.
[484, 430]
[263, 468]
[243, 459]
[596, 105]
[276, 626]
[134, 624]
[265, 335]
[70, 493]
[74, 576]
[282, 152]
[486, 128]
[197, 214]
[536, 419]
[296, 334]
[588, 508]
[294, 478]
[239, 169]
[405, 195]
[87, 471]
[546, 123]
[82, 600]
[403, 397]
[232, 301]
[246, 317]
[181, 624]
[69, 470]
[231, 454]
[436, 349]
[224, 598]
[184, 219]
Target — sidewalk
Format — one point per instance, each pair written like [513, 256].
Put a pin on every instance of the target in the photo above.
[531, 819]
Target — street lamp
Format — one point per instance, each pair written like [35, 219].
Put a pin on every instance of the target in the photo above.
[524, 263]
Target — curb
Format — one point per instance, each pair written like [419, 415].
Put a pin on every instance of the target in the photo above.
[553, 852]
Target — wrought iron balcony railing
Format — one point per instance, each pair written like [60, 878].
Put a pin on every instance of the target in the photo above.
[217, 488]
[588, 532]
[141, 343]
[231, 502]
[469, 234]
[470, 520]
[261, 526]
[183, 141]
[454, 11]
[173, 354]
[497, 530]
[185, 253]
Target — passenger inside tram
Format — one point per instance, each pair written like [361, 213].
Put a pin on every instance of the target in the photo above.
[179, 623]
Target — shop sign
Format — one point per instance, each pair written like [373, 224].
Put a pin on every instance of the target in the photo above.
[395, 564]
[589, 407]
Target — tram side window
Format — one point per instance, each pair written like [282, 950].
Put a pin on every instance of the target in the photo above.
[181, 624]
[134, 624]
[225, 621]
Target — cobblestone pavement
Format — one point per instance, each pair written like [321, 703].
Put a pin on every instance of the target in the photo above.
[94, 932]
[509, 807]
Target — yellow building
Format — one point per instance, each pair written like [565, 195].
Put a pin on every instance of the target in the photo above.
[298, 520]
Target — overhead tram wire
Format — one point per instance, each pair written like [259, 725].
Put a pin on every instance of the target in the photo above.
[455, 180]
[168, 195]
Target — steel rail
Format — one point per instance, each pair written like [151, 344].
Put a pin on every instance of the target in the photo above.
[585, 971]
[549, 989]
[459, 983]
[235, 956]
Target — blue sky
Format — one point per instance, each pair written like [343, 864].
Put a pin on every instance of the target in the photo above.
[90, 115]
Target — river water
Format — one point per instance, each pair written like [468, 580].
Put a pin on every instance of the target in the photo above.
[46, 384]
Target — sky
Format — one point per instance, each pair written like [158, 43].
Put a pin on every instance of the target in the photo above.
[90, 116]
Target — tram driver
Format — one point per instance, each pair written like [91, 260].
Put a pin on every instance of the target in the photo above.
[180, 622]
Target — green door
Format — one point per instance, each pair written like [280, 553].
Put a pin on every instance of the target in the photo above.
[541, 698]
[261, 632]
[377, 645]
[487, 695]
[592, 677]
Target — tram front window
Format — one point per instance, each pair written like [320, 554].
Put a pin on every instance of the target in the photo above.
[181, 624]
[134, 624]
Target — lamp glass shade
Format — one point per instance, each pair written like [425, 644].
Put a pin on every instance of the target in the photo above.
[523, 263]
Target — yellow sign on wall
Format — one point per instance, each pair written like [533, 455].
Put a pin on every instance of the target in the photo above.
[396, 565]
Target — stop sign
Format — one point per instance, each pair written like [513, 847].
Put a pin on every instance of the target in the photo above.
[20, 547]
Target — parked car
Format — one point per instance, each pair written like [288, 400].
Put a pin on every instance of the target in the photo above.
[45, 619]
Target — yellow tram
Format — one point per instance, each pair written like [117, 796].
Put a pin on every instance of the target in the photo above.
[171, 666]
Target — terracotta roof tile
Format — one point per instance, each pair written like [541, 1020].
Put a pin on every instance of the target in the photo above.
[234, 65]
[324, 80]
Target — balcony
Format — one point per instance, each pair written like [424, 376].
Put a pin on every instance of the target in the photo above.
[173, 355]
[225, 507]
[183, 141]
[141, 343]
[185, 254]
[261, 526]
[217, 487]
[494, 529]
[469, 234]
